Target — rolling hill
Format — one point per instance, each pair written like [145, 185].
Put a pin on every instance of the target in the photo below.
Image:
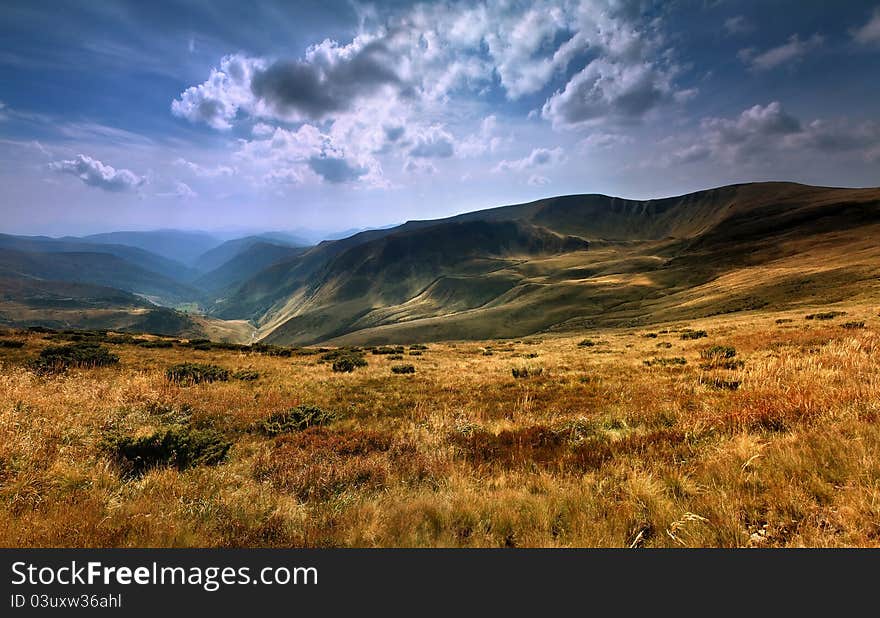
[573, 262]
[177, 245]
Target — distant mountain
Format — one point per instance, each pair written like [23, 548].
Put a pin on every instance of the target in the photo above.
[134, 255]
[572, 262]
[252, 258]
[181, 246]
[101, 269]
[219, 255]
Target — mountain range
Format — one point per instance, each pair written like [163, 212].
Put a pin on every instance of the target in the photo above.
[562, 263]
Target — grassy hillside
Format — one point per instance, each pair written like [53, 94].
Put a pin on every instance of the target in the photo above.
[739, 430]
[723, 250]
[250, 259]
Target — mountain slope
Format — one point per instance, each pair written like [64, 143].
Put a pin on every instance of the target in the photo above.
[497, 273]
[250, 260]
[229, 250]
[180, 246]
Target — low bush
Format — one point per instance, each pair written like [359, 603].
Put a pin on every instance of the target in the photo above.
[666, 362]
[11, 343]
[853, 325]
[179, 447]
[349, 362]
[296, 419]
[693, 334]
[395, 357]
[82, 355]
[415, 353]
[159, 343]
[189, 374]
[403, 369]
[526, 372]
[664, 344]
[418, 346]
[826, 315]
[397, 349]
[717, 352]
[246, 375]
[587, 343]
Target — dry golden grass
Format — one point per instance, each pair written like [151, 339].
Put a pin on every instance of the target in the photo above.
[600, 449]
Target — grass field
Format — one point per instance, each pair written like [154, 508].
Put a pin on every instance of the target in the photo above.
[764, 432]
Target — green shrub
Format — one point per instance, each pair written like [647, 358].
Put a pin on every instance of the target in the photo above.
[395, 357]
[717, 352]
[82, 355]
[418, 346]
[784, 321]
[413, 353]
[296, 419]
[11, 343]
[159, 343]
[587, 343]
[188, 374]
[403, 369]
[397, 349]
[246, 375]
[693, 334]
[826, 315]
[271, 350]
[666, 362]
[179, 447]
[664, 344]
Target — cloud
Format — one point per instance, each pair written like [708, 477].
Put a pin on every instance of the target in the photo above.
[738, 24]
[96, 174]
[435, 143]
[760, 132]
[181, 191]
[536, 180]
[869, 34]
[336, 170]
[419, 166]
[539, 157]
[205, 172]
[217, 101]
[789, 52]
[604, 90]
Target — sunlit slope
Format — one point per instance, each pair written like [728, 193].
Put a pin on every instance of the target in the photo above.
[572, 262]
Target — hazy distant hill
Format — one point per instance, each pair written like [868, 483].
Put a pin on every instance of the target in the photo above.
[134, 255]
[182, 246]
[252, 258]
[223, 253]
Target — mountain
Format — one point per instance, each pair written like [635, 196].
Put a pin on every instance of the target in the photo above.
[572, 262]
[252, 258]
[100, 269]
[221, 254]
[134, 255]
[180, 246]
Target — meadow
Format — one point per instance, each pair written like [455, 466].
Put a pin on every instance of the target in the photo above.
[755, 429]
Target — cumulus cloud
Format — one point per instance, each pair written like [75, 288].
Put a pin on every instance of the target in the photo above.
[764, 130]
[539, 157]
[434, 143]
[537, 180]
[217, 101]
[869, 34]
[335, 169]
[791, 51]
[96, 174]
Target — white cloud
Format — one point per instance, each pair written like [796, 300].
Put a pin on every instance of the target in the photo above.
[96, 174]
[869, 34]
[181, 191]
[789, 52]
[738, 24]
[205, 172]
[539, 157]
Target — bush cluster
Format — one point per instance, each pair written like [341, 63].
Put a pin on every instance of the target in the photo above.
[180, 447]
[403, 369]
[82, 355]
[188, 374]
[296, 419]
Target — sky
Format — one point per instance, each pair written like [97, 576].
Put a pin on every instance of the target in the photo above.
[226, 115]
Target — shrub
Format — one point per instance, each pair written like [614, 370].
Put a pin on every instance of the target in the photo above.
[418, 346]
[155, 344]
[784, 321]
[414, 353]
[664, 344]
[246, 375]
[854, 325]
[398, 349]
[526, 372]
[347, 362]
[83, 355]
[296, 419]
[11, 343]
[271, 350]
[403, 369]
[180, 447]
[827, 315]
[730, 385]
[666, 362]
[587, 343]
[693, 334]
[395, 357]
[188, 374]
[344, 365]
[717, 352]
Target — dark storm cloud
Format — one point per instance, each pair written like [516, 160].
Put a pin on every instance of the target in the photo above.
[327, 84]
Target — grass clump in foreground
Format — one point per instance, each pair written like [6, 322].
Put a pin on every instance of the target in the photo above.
[81, 355]
[297, 419]
[178, 447]
[189, 374]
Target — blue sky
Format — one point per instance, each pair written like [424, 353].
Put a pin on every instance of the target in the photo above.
[333, 115]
